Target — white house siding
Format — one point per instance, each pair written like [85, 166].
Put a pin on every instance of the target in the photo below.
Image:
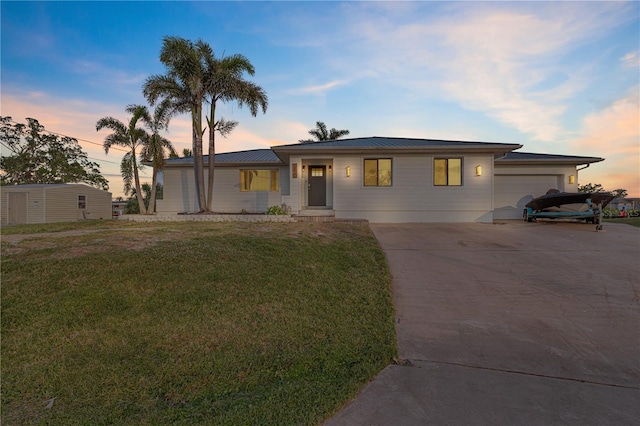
[179, 191]
[516, 185]
[294, 197]
[412, 196]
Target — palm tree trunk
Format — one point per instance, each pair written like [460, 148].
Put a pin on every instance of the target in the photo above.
[152, 199]
[198, 160]
[136, 178]
[212, 155]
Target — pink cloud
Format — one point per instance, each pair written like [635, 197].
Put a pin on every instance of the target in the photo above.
[613, 133]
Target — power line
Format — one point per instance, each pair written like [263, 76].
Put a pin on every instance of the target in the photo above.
[84, 140]
[78, 139]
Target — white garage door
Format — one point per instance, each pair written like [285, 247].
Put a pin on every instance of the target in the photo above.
[512, 192]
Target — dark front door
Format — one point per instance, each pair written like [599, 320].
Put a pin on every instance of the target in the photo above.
[317, 186]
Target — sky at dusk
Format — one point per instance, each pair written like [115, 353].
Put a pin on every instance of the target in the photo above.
[556, 77]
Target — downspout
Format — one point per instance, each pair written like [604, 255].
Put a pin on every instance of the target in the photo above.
[577, 170]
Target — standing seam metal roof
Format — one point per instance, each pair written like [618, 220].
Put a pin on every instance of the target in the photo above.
[252, 156]
[385, 142]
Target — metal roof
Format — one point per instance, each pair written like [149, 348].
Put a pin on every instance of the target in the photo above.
[255, 156]
[385, 142]
[531, 158]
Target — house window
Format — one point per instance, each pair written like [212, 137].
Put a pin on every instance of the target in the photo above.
[82, 201]
[377, 172]
[447, 171]
[259, 180]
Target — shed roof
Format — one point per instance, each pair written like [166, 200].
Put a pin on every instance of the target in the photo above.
[49, 185]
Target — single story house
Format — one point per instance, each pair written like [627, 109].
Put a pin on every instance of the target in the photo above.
[48, 203]
[379, 179]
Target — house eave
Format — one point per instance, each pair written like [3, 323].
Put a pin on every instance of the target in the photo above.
[548, 162]
[228, 164]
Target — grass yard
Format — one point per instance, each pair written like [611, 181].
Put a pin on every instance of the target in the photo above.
[633, 221]
[191, 323]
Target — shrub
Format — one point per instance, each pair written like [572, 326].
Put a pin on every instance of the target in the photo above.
[276, 210]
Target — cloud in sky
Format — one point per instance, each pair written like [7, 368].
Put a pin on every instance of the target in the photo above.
[554, 76]
[504, 60]
[631, 60]
[617, 128]
[318, 89]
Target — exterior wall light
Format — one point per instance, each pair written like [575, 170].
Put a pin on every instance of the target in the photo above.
[329, 167]
[303, 167]
[348, 171]
[478, 170]
[572, 179]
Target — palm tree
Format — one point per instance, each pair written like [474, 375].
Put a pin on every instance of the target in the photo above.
[155, 146]
[183, 87]
[195, 75]
[129, 136]
[320, 133]
[224, 82]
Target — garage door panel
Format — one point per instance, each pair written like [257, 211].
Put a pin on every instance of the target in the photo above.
[513, 192]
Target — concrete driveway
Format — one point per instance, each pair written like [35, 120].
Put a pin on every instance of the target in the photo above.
[509, 324]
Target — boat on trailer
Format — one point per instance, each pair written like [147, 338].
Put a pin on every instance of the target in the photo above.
[554, 204]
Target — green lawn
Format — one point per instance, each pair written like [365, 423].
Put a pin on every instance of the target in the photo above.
[191, 323]
[633, 221]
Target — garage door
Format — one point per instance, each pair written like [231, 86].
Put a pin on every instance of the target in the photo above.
[512, 192]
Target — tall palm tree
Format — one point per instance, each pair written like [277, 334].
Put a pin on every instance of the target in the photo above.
[155, 146]
[224, 82]
[183, 87]
[320, 133]
[194, 76]
[129, 136]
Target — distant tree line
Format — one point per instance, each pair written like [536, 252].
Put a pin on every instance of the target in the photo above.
[596, 187]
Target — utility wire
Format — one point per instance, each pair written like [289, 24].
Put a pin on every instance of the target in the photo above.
[83, 140]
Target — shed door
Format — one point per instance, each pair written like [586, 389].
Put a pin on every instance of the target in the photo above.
[17, 208]
[513, 192]
[317, 186]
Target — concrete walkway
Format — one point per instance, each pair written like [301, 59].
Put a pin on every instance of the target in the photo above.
[509, 324]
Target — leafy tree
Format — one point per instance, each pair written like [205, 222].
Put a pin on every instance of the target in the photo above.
[129, 136]
[38, 156]
[320, 133]
[619, 193]
[195, 76]
[596, 187]
[155, 146]
[591, 187]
